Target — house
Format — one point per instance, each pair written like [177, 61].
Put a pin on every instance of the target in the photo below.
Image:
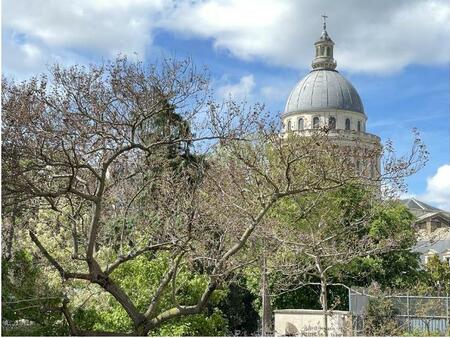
[433, 230]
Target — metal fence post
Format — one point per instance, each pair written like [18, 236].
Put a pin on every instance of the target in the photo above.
[407, 311]
[447, 310]
[349, 300]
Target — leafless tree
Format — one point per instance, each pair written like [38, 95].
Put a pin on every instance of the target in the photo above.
[92, 146]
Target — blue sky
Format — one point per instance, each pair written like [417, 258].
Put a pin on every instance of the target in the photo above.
[396, 54]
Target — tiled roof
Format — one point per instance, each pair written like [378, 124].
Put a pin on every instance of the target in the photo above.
[413, 203]
[423, 210]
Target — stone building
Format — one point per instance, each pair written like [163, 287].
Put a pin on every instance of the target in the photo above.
[433, 230]
[324, 99]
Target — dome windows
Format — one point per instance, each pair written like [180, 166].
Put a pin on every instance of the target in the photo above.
[347, 124]
[300, 124]
[332, 122]
[316, 122]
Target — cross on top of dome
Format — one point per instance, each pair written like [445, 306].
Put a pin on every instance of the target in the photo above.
[324, 22]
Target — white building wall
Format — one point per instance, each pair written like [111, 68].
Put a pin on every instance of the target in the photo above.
[340, 116]
[299, 322]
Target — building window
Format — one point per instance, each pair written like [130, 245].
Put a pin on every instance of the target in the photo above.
[316, 122]
[289, 128]
[359, 125]
[347, 124]
[332, 123]
[300, 124]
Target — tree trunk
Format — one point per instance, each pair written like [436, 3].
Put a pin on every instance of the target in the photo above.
[324, 302]
[323, 294]
[266, 323]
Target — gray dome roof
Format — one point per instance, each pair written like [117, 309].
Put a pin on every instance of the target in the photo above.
[321, 90]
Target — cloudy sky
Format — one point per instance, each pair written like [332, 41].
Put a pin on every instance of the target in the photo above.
[396, 53]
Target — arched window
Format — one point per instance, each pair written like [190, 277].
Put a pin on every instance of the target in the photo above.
[300, 124]
[332, 122]
[359, 125]
[289, 127]
[316, 122]
[347, 124]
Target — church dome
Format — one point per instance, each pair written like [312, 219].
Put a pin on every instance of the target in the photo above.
[321, 90]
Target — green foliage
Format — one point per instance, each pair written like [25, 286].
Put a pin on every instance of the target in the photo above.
[165, 125]
[421, 333]
[307, 297]
[395, 222]
[28, 302]
[386, 223]
[140, 278]
[379, 318]
[213, 324]
[398, 268]
[238, 308]
[436, 278]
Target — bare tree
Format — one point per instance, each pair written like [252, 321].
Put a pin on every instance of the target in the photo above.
[109, 144]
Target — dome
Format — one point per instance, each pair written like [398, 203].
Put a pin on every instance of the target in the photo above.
[321, 90]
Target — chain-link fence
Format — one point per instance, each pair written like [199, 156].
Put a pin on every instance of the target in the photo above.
[411, 313]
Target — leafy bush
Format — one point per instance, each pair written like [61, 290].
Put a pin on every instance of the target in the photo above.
[379, 318]
[29, 304]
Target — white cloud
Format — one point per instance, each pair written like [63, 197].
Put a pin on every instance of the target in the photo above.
[375, 36]
[238, 91]
[26, 55]
[438, 188]
[105, 27]
[22, 59]
[370, 36]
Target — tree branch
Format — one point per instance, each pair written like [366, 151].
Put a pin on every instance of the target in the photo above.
[132, 255]
[64, 274]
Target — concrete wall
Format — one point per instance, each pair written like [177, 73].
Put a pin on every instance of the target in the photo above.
[301, 322]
